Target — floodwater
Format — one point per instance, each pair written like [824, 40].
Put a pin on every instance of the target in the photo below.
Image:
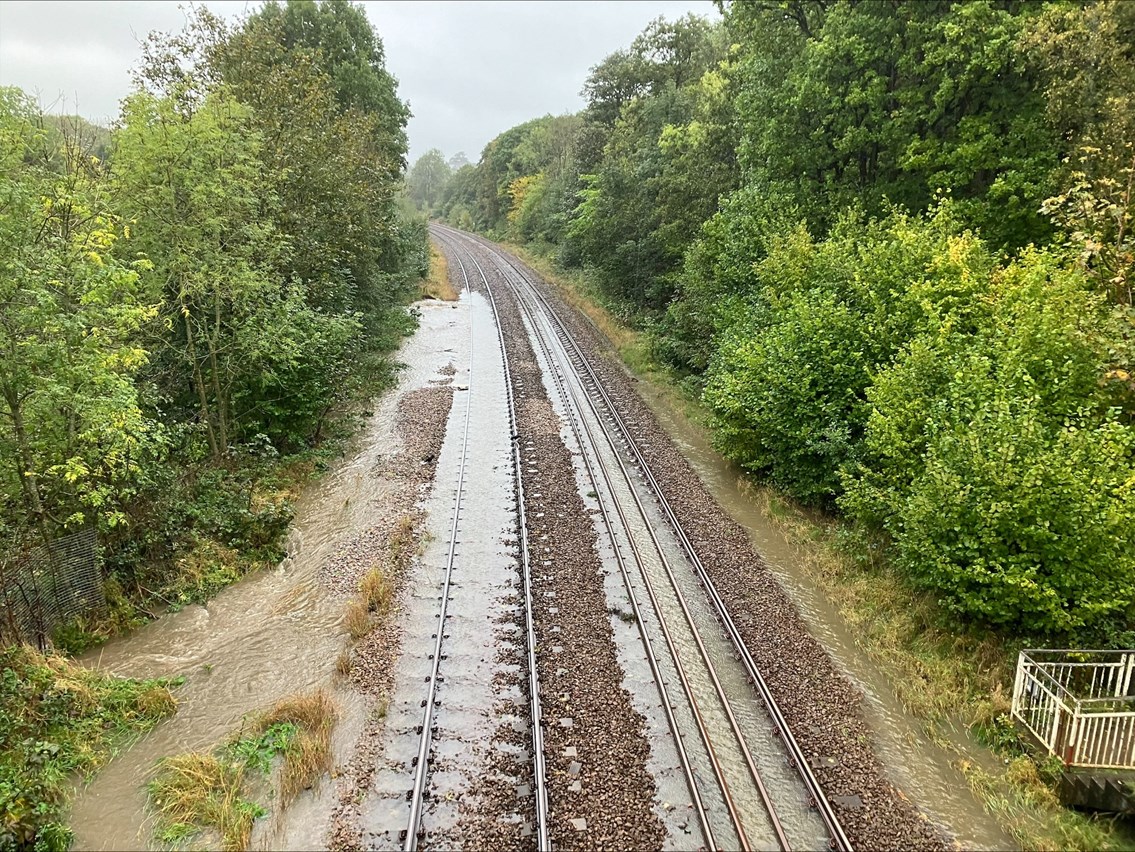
[268, 636]
[483, 595]
[920, 767]
[278, 632]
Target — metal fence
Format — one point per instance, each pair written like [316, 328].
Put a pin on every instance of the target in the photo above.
[49, 585]
[1079, 704]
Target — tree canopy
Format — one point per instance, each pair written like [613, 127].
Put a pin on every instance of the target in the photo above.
[890, 245]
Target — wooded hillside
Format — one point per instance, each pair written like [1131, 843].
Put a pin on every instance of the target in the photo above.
[890, 246]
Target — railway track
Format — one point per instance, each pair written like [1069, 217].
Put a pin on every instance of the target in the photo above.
[418, 794]
[595, 421]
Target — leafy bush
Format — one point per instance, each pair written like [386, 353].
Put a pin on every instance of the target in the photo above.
[785, 396]
[999, 462]
[1019, 524]
[788, 385]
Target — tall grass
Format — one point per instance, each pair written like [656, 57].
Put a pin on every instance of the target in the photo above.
[199, 792]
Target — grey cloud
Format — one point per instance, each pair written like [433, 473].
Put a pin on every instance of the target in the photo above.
[469, 69]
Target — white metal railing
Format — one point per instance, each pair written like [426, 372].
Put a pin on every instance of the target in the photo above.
[1079, 704]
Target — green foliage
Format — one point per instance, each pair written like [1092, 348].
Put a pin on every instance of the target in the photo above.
[996, 460]
[789, 380]
[257, 751]
[58, 719]
[427, 180]
[874, 103]
[784, 392]
[73, 434]
[186, 305]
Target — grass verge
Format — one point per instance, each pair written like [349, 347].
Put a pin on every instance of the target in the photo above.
[377, 586]
[57, 720]
[215, 791]
[436, 285]
[940, 675]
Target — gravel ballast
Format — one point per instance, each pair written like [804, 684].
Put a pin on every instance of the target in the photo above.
[821, 705]
[600, 792]
[421, 421]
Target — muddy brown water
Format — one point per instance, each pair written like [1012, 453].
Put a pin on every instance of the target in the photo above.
[923, 769]
[278, 632]
[268, 636]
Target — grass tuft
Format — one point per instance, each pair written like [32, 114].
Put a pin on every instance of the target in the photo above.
[209, 791]
[195, 791]
[376, 590]
[308, 755]
[436, 285]
[357, 618]
[344, 662]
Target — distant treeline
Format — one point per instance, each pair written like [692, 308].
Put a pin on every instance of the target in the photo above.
[188, 297]
[890, 244]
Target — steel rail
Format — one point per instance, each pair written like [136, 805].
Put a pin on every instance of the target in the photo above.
[695, 633]
[837, 837]
[539, 766]
[559, 361]
[651, 656]
[421, 761]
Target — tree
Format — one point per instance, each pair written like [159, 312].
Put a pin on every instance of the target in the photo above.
[350, 52]
[874, 103]
[193, 185]
[427, 180]
[73, 432]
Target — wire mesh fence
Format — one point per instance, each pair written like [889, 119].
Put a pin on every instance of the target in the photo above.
[49, 585]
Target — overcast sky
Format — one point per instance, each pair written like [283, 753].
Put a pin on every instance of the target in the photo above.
[469, 69]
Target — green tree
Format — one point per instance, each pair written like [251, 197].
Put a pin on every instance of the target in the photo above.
[427, 180]
[876, 102]
[351, 53]
[193, 185]
[73, 433]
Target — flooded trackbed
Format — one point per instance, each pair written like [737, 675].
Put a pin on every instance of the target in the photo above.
[624, 764]
[270, 635]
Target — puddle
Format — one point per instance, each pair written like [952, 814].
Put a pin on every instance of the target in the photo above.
[270, 635]
[920, 767]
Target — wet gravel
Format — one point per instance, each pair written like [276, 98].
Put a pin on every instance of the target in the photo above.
[390, 543]
[600, 792]
[499, 814]
[823, 708]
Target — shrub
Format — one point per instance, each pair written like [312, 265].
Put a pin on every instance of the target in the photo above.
[1000, 464]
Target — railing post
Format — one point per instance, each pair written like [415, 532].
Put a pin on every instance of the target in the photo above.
[1054, 731]
[1019, 684]
[1072, 738]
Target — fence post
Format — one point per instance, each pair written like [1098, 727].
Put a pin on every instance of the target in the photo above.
[1019, 681]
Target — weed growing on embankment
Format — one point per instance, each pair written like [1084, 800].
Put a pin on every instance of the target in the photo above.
[436, 285]
[941, 675]
[58, 720]
[216, 792]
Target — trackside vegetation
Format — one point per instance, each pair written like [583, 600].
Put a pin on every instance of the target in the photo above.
[275, 755]
[58, 720]
[190, 302]
[885, 249]
[889, 248]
